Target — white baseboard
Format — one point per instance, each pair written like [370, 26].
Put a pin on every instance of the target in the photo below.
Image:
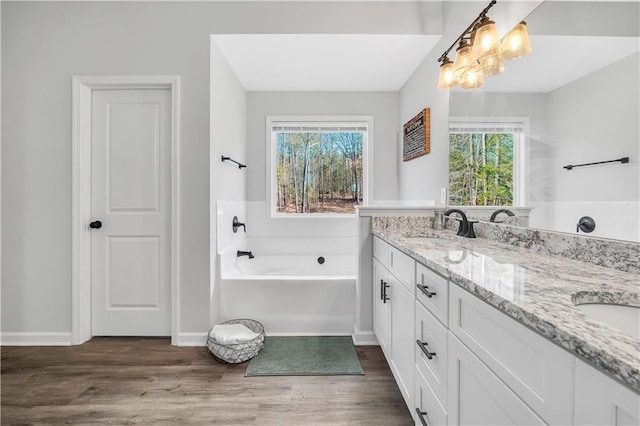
[192, 339]
[364, 338]
[35, 339]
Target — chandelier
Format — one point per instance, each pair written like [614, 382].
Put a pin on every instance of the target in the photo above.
[480, 53]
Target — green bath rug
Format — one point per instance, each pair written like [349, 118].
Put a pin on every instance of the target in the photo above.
[306, 356]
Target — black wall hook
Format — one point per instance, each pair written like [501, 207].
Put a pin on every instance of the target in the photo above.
[240, 165]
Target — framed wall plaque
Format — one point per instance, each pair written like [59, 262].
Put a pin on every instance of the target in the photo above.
[416, 136]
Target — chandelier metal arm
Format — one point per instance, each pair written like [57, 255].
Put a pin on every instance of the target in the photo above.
[468, 30]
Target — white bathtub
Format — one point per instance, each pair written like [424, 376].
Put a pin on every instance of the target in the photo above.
[290, 294]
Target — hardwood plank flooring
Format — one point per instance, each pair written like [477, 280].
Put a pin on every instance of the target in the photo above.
[147, 381]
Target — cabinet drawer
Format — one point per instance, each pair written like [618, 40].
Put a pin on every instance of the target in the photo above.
[403, 267]
[479, 397]
[381, 251]
[433, 292]
[432, 336]
[540, 372]
[426, 404]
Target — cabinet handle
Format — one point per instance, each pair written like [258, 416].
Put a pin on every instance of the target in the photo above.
[425, 290]
[381, 289]
[385, 286]
[421, 415]
[424, 347]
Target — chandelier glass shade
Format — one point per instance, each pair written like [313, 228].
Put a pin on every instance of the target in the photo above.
[516, 43]
[465, 62]
[492, 65]
[486, 41]
[447, 79]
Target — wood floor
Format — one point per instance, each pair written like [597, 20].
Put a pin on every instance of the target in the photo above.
[148, 381]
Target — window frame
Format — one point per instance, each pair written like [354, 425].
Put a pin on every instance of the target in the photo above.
[520, 152]
[271, 167]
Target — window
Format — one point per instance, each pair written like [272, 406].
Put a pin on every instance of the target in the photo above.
[486, 162]
[317, 166]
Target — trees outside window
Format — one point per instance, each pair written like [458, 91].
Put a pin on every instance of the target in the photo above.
[318, 167]
[319, 172]
[486, 164]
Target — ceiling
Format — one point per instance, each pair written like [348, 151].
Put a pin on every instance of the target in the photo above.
[555, 61]
[324, 62]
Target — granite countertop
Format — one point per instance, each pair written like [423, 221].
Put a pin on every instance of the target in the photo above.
[537, 290]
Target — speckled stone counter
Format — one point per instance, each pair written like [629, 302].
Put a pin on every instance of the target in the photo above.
[536, 289]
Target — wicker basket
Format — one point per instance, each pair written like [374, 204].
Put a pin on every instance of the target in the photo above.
[238, 352]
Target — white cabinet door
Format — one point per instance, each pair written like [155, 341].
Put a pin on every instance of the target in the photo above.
[602, 401]
[479, 397]
[402, 337]
[541, 373]
[382, 308]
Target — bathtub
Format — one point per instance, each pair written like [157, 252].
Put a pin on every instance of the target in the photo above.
[290, 294]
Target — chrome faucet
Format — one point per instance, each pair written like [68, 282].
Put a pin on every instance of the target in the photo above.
[466, 226]
[497, 212]
[245, 253]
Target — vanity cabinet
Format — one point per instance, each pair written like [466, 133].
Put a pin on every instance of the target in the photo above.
[460, 361]
[393, 311]
[601, 400]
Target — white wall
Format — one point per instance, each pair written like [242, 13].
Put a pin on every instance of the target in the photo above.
[594, 119]
[228, 137]
[422, 178]
[45, 43]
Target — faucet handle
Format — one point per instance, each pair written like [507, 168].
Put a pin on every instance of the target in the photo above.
[237, 224]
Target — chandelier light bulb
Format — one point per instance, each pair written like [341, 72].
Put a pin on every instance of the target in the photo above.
[447, 79]
[465, 62]
[492, 65]
[516, 43]
[472, 80]
[486, 41]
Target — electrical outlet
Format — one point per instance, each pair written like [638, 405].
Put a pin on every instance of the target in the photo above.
[443, 196]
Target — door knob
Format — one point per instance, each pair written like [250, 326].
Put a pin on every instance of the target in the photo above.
[95, 225]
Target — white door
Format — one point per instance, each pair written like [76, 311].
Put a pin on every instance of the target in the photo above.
[131, 190]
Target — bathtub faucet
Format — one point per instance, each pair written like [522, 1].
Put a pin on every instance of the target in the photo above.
[245, 253]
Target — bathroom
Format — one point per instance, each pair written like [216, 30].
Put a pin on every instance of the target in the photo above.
[221, 117]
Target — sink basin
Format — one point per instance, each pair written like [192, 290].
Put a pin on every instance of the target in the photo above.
[621, 317]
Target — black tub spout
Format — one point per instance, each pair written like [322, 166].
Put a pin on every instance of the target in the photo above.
[240, 253]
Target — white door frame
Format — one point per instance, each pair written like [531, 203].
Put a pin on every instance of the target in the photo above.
[82, 87]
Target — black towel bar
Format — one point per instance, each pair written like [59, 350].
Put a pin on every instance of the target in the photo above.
[621, 160]
[240, 165]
